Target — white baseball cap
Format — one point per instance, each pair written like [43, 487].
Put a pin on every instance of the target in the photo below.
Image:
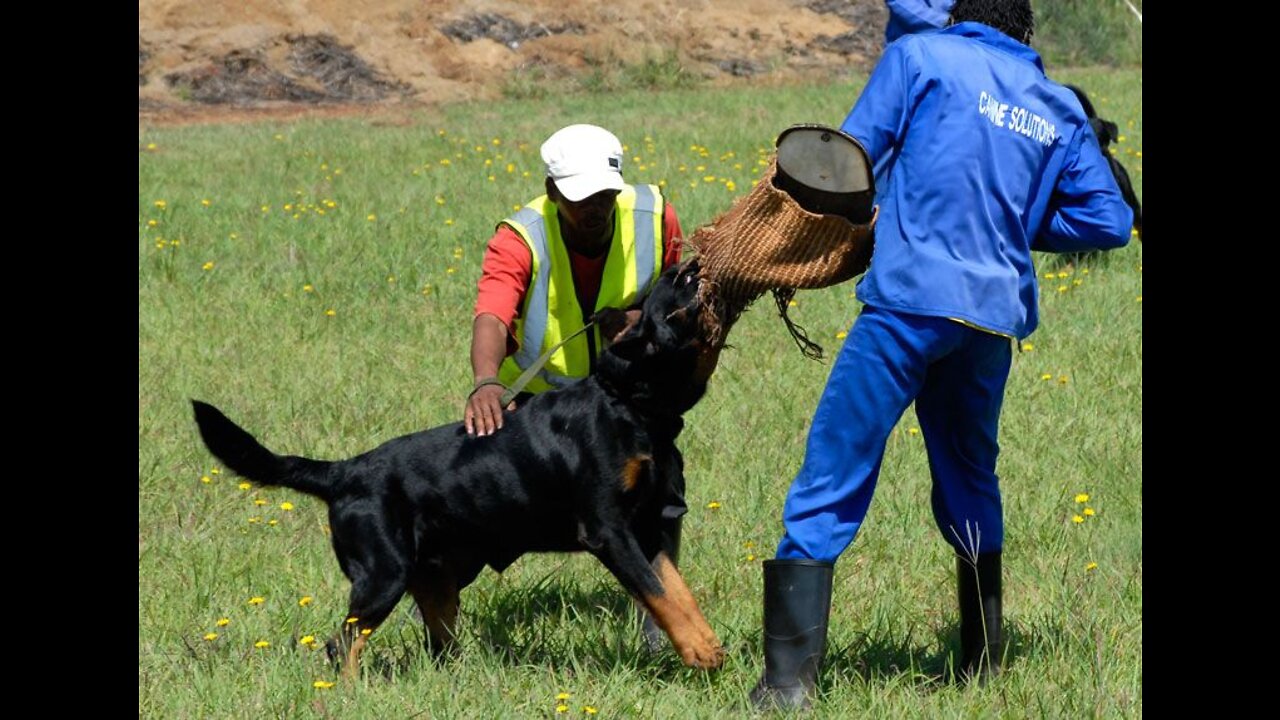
[583, 160]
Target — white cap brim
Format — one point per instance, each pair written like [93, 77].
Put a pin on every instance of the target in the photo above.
[576, 188]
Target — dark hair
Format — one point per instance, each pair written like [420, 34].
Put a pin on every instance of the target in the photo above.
[1011, 17]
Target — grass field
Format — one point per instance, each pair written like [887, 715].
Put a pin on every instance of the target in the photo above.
[315, 280]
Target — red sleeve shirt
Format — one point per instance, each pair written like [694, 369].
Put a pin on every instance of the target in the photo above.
[508, 267]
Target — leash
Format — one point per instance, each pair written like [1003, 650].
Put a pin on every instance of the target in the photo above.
[532, 370]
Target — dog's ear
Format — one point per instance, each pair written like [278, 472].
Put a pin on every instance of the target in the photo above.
[1112, 130]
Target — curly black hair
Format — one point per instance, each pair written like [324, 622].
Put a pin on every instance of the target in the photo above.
[1011, 17]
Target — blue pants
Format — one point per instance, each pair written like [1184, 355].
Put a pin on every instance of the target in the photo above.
[956, 375]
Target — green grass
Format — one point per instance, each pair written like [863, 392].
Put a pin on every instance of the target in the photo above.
[250, 337]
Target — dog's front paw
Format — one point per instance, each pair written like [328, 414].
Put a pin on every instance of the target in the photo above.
[708, 657]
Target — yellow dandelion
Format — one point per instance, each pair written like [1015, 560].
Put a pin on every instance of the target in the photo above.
[206, 202]
[446, 162]
[1062, 288]
[371, 217]
[1047, 376]
[262, 644]
[842, 335]
[255, 520]
[589, 710]
[750, 557]
[257, 600]
[1062, 379]
[273, 522]
[449, 221]
[161, 204]
[278, 136]
[1077, 282]
[330, 312]
[337, 171]
[748, 544]
[244, 486]
[207, 266]
[1139, 298]
[305, 600]
[286, 505]
[234, 236]
[352, 620]
[152, 223]
[205, 479]
[259, 502]
[322, 684]
[391, 278]
[1138, 154]
[1082, 498]
[307, 640]
[708, 178]
[1133, 232]
[215, 471]
[211, 636]
[151, 146]
[913, 431]
[562, 708]
[1088, 512]
[450, 271]
[1091, 566]
[1049, 276]
[1027, 347]
[367, 632]
[713, 505]
[223, 622]
[308, 288]
[563, 696]
[1122, 138]
[1077, 519]
[439, 199]
[792, 303]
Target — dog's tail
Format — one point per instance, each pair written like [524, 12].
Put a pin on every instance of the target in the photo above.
[240, 452]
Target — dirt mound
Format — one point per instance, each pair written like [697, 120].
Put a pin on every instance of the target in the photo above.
[280, 53]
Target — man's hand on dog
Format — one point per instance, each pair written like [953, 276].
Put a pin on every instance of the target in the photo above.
[483, 414]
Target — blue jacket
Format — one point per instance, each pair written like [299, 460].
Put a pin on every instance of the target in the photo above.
[979, 159]
[907, 17]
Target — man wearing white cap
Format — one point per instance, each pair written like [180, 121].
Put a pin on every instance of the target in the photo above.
[591, 246]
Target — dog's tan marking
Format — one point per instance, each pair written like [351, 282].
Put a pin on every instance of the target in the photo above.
[351, 670]
[677, 613]
[438, 603]
[631, 471]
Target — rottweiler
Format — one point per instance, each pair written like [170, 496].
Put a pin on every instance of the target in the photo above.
[1108, 132]
[583, 468]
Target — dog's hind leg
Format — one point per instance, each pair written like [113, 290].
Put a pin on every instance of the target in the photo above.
[369, 606]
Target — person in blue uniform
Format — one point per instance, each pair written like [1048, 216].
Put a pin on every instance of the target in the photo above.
[979, 159]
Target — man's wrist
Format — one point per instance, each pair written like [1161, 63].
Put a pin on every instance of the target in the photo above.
[487, 380]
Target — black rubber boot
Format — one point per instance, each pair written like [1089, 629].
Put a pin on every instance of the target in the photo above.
[980, 616]
[654, 638]
[797, 608]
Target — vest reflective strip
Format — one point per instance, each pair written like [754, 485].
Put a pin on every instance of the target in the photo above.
[647, 254]
[529, 223]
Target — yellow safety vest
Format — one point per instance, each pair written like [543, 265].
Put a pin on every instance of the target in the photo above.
[550, 311]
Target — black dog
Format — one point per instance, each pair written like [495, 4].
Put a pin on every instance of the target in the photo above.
[583, 468]
[1108, 132]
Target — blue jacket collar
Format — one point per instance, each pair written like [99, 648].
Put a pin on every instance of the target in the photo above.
[991, 36]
